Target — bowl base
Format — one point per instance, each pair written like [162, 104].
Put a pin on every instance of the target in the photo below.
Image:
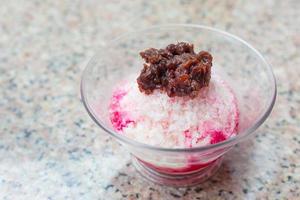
[178, 180]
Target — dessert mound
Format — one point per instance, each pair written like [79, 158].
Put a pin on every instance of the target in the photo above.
[176, 101]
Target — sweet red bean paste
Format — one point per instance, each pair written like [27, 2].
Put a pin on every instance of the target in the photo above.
[177, 70]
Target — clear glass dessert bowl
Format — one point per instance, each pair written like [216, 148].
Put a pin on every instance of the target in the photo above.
[243, 67]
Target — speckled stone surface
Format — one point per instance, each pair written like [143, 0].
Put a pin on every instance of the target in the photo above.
[50, 148]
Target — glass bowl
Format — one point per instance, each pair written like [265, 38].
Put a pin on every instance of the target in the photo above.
[243, 67]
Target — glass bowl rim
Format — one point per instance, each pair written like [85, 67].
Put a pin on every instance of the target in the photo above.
[231, 141]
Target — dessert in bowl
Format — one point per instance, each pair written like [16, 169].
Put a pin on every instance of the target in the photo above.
[178, 97]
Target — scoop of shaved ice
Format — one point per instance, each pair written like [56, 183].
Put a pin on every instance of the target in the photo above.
[176, 122]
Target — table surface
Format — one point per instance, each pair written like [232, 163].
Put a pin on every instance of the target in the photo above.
[50, 148]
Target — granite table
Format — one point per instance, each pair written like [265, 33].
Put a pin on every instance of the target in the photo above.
[50, 148]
